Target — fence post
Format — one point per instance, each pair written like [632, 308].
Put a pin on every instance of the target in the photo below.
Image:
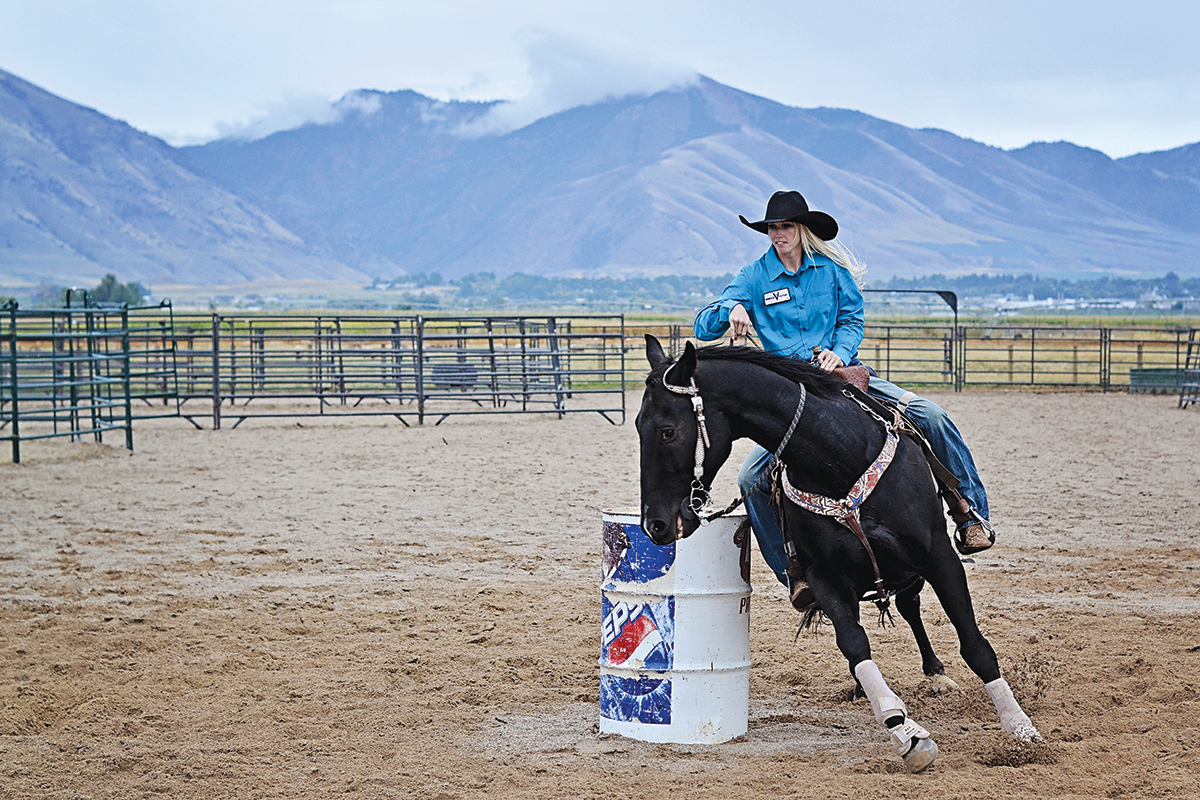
[961, 366]
[495, 379]
[524, 367]
[1032, 356]
[555, 364]
[319, 347]
[341, 364]
[232, 362]
[76, 435]
[126, 378]
[162, 345]
[216, 371]
[420, 370]
[1105, 358]
[12, 377]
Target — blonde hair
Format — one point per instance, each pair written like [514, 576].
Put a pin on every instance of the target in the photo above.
[835, 252]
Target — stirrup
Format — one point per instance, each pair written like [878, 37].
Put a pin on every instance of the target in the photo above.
[974, 535]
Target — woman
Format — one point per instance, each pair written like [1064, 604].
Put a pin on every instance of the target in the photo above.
[804, 294]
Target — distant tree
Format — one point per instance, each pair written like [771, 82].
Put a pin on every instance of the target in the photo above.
[49, 295]
[111, 290]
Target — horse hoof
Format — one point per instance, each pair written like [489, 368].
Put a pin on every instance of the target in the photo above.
[1027, 733]
[940, 684]
[922, 754]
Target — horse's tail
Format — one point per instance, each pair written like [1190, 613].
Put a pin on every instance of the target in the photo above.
[814, 617]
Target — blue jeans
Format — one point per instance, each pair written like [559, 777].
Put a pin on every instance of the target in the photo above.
[943, 436]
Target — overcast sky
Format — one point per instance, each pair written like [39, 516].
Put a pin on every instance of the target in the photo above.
[1121, 77]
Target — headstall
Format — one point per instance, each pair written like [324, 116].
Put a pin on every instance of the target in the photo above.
[700, 498]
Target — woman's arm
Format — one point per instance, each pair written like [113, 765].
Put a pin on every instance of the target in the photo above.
[848, 328]
[713, 320]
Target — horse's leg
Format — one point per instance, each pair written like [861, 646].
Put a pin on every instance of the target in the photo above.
[948, 579]
[910, 740]
[908, 603]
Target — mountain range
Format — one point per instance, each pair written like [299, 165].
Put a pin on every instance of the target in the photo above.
[639, 185]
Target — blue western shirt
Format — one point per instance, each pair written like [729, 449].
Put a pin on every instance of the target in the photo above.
[819, 305]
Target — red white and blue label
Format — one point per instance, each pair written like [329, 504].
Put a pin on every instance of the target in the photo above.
[638, 635]
[643, 700]
[631, 557]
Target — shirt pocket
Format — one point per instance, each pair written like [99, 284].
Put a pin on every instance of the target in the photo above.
[819, 297]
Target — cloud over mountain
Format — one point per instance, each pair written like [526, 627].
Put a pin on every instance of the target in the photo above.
[653, 184]
[295, 111]
[565, 73]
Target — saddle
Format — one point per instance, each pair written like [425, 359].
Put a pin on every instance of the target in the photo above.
[857, 376]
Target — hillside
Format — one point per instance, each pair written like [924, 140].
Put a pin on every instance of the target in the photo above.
[639, 185]
[82, 195]
[652, 185]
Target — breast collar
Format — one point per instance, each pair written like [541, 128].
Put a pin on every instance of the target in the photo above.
[846, 510]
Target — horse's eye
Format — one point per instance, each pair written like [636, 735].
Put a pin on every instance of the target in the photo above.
[668, 434]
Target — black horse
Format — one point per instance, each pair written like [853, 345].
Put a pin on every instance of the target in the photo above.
[747, 393]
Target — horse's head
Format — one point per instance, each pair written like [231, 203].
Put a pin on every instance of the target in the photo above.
[668, 428]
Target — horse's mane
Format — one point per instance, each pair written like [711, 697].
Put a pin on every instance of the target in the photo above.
[815, 379]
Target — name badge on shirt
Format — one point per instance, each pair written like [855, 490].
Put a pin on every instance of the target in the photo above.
[777, 296]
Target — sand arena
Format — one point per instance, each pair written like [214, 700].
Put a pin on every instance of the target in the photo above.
[308, 609]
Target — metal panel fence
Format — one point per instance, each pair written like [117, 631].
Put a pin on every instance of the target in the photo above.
[83, 371]
[1189, 389]
[942, 354]
[79, 372]
[253, 365]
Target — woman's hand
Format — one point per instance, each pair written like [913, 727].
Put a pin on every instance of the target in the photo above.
[828, 360]
[739, 321]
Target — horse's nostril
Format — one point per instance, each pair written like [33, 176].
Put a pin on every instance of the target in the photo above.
[656, 526]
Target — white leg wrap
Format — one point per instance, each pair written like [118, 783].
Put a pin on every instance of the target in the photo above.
[883, 699]
[1013, 720]
[909, 739]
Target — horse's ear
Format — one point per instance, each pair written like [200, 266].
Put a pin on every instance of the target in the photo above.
[681, 374]
[654, 352]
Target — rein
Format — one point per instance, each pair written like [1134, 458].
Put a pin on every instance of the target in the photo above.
[700, 498]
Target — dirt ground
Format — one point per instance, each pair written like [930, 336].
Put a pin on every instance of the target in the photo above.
[303, 609]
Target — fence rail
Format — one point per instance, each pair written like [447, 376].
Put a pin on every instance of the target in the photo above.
[86, 371]
[78, 373]
[953, 356]
[412, 368]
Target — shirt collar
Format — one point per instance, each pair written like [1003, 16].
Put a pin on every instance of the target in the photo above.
[776, 269]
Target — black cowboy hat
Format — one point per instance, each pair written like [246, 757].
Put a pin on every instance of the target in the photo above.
[791, 207]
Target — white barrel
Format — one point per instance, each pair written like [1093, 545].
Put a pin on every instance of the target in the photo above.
[675, 632]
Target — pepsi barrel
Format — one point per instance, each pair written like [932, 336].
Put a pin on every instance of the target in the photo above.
[675, 632]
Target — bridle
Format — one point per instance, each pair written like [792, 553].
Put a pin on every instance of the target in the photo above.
[699, 498]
